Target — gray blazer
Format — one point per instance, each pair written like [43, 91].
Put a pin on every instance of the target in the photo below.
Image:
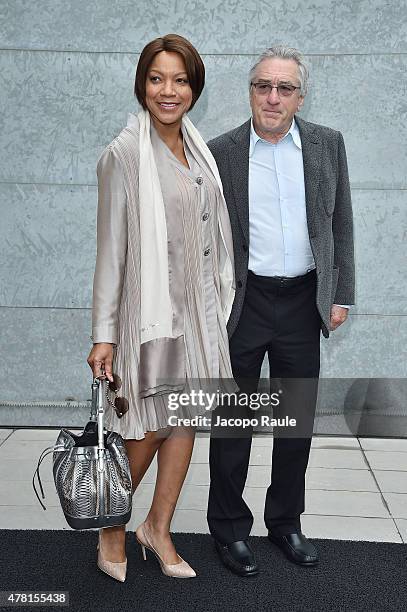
[328, 205]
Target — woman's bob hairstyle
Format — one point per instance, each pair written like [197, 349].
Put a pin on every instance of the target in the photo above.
[178, 44]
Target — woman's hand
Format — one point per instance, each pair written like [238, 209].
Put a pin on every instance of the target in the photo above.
[100, 360]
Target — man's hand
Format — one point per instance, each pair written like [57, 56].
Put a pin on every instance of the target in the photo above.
[338, 316]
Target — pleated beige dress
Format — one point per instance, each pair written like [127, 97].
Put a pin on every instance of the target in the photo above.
[190, 199]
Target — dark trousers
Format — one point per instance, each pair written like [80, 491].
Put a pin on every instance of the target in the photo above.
[281, 318]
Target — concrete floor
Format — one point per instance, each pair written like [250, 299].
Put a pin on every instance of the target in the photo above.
[356, 488]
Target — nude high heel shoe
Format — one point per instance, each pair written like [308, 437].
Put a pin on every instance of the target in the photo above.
[115, 570]
[175, 570]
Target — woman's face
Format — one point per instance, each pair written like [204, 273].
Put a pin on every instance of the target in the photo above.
[168, 92]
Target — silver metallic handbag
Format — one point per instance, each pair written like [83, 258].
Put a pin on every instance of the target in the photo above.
[91, 470]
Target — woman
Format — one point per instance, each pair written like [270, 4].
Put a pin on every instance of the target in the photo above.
[163, 286]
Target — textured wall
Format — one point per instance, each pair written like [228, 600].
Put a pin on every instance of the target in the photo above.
[67, 70]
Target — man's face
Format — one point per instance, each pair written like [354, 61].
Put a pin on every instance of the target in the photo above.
[273, 113]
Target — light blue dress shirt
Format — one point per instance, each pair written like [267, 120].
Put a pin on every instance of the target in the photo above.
[279, 242]
[278, 233]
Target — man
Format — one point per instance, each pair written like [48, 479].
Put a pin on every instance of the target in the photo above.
[287, 190]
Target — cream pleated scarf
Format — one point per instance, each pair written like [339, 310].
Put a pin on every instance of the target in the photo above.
[156, 309]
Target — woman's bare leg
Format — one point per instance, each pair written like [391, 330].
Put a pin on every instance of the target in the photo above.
[140, 454]
[173, 459]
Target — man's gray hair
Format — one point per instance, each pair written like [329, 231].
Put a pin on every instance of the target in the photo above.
[284, 52]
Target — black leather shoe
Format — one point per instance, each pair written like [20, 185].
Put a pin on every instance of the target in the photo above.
[238, 557]
[296, 547]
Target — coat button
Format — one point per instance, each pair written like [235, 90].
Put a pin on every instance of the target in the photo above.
[239, 284]
[199, 180]
[206, 252]
[244, 247]
[205, 217]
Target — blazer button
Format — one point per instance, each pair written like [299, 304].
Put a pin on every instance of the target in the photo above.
[206, 252]
[199, 180]
[239, 284]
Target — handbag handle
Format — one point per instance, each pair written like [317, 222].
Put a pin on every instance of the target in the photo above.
[96, 413]
[95, 392]
[101, 394]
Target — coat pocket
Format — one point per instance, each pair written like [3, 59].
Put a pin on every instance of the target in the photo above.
[329, 207]
[327, 197]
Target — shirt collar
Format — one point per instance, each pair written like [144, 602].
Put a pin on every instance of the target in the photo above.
[254, 137]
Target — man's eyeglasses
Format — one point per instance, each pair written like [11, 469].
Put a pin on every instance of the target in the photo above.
[265, 89]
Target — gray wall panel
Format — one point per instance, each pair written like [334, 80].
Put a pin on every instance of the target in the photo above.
[367, 346]
[66, 107]
[48, 239]
[47, 244]
[380, 251]
[46, 351]
[231, 26]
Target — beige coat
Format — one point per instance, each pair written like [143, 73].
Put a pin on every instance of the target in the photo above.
[116, 298]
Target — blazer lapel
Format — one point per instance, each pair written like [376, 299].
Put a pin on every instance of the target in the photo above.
[311, 155]
[239, 173]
